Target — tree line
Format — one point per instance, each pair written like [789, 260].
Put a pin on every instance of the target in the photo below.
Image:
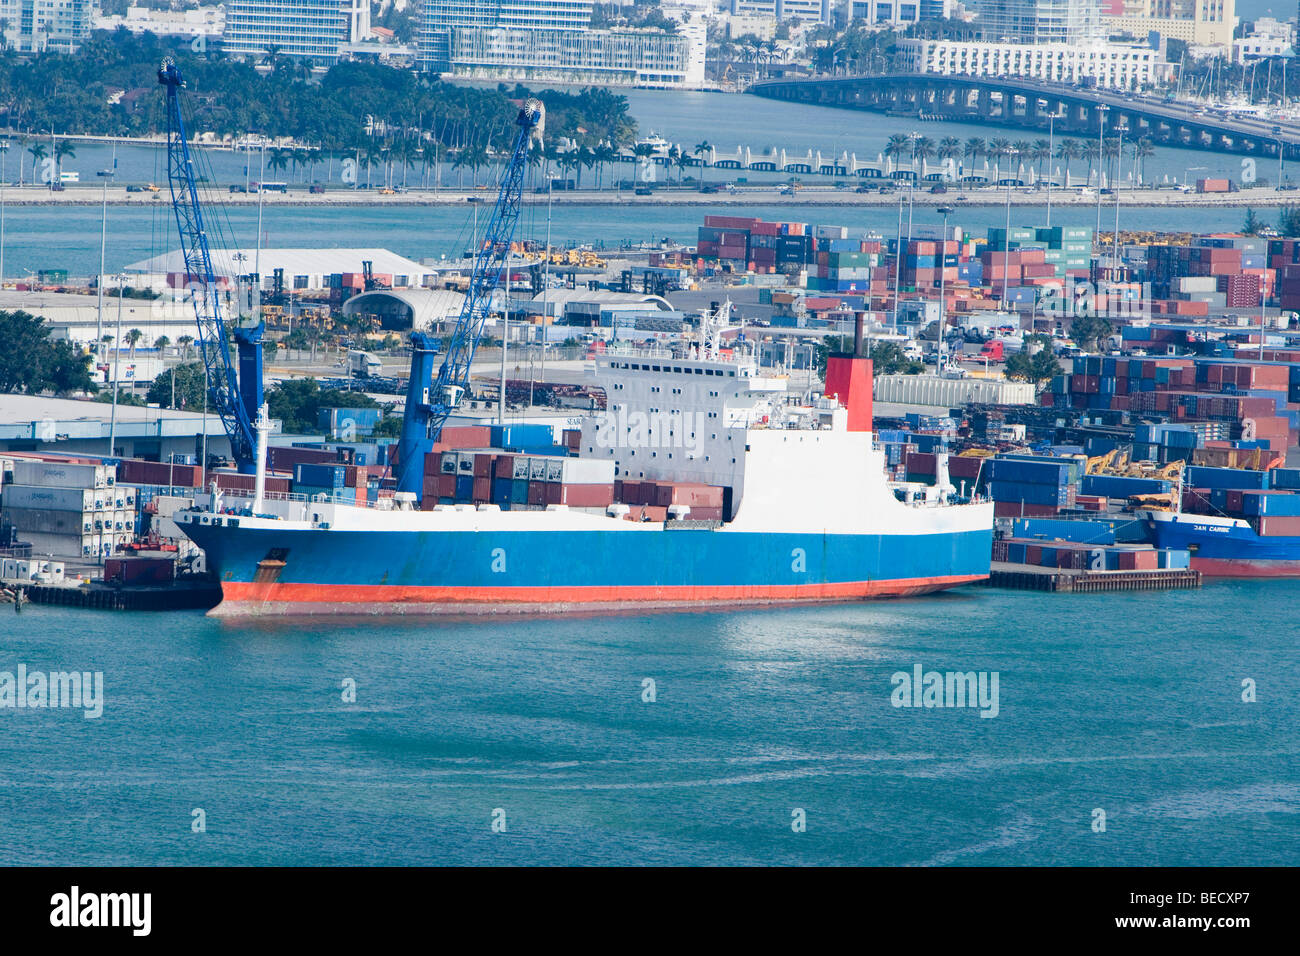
[109, 87]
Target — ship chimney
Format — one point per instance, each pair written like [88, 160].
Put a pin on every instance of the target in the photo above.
[848, 379]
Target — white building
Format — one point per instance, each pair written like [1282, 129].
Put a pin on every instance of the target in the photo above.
[32, 26]
[303, 269]
[1269, 38]
[806, 11]
[1039, 21]
[896, 13]
[206, 22]
[315, 29]
[1110, 65]
[551, 41]
[1202, 23]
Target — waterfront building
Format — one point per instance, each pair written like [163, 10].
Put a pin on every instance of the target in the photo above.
[806, 11]
[897, 13]
[1039, 21]
[552, 41]
[32, 26]
[1269, 38]
[315, 29]
[1109, 65]
[1201, 23]
[208, 22]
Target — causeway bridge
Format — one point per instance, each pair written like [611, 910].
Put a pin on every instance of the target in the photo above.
[1027, 104]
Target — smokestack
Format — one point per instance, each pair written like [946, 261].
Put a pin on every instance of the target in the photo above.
[857, 336]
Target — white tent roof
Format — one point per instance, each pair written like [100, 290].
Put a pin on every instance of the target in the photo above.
[226, 262]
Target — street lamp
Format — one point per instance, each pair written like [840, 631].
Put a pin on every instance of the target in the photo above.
[1119, 162]
[1102, 109]
[4, 153]
[1281, 151]
[1006, 239]
[944, 211]
[1051, 150]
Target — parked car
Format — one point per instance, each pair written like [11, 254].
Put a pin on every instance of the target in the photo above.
[317, 188]
[239, 189]
[866, 188]
[644, 191]
[938, 188]
[135, 189]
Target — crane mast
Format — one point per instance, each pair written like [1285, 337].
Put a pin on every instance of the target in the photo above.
[236, 395]
[429, 403]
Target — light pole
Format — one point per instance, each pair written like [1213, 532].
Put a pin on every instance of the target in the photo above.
[107, 174]
[944, 211]
[1102, 108]
[1006, 239]
[898, 263]
[117, 362]
[1051, 149]
[1119, 162]
[4, 154]
[1281, 150]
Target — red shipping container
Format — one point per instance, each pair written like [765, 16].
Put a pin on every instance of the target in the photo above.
[482, 490]
[504, 466]
[584, 496]
[483, 466]
[537, 492]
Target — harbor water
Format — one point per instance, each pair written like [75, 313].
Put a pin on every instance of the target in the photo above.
[669, 738]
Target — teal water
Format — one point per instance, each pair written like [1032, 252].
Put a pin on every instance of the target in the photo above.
[1130, 703]
[46, 237]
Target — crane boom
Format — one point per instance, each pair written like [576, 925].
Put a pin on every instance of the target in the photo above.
[429, 405]
[236, 406]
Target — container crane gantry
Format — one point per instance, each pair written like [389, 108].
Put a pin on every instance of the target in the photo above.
[429, 403]
[236, 396]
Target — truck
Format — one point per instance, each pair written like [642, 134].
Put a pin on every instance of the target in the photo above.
[364, 365]
[993, 350]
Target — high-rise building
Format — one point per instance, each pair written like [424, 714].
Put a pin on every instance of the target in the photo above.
[315, 29]
[31, 26]
[896, 13]
[1039, 21]
[1202, 23]
[552, 40]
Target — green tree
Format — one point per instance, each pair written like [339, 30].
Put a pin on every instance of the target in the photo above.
[1087, 330]
[188, 380]
[1288, 221]
[887, 358]
[1252, 224]
[297, 403]
[31, 363]
[1037, 367]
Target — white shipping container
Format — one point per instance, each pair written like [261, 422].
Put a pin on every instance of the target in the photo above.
[8, 569]
[52, 499]
[53, 474]
[587, 471]
[523, 466]
[554, 469]
[1197, 284]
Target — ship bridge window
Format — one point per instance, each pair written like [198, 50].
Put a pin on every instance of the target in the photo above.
[732, 373]
[655, 368]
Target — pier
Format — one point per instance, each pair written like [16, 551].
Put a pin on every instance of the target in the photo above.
[1028, 577]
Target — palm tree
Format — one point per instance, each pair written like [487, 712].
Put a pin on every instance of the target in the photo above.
[1040, 151]
[1068, 150]
[63, 150]
[923, 148]
[39, 152]
[1143, 149]
[897, 145]
[584, 159]
[161, 342]
[998, 150]
[185, 341]
[673, 152]
[605, 154]
[701, 150]
[135, 335]
[974, 148]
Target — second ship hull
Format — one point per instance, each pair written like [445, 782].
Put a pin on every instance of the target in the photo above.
[280, 570]
[1226, 547]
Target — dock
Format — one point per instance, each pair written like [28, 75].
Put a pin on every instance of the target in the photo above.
[1028, 577]
[196, 595]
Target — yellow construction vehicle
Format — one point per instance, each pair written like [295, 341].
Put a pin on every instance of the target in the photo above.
[1099, 464]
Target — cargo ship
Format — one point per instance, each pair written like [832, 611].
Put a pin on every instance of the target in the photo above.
[810, 514]
[1226, 546]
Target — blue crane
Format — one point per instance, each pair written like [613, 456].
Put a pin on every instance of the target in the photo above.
[430, 403]
[236, 396]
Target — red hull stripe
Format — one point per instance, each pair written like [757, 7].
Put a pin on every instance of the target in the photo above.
[241, 596]
[1233, 568]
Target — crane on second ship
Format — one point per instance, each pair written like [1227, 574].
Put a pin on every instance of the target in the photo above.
[430, 402]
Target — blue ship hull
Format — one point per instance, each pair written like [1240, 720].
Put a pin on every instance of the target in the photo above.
[1228, 550]
[298, 570]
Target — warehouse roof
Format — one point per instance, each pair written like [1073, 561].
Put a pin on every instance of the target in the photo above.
[51, 419]
[227, 262]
